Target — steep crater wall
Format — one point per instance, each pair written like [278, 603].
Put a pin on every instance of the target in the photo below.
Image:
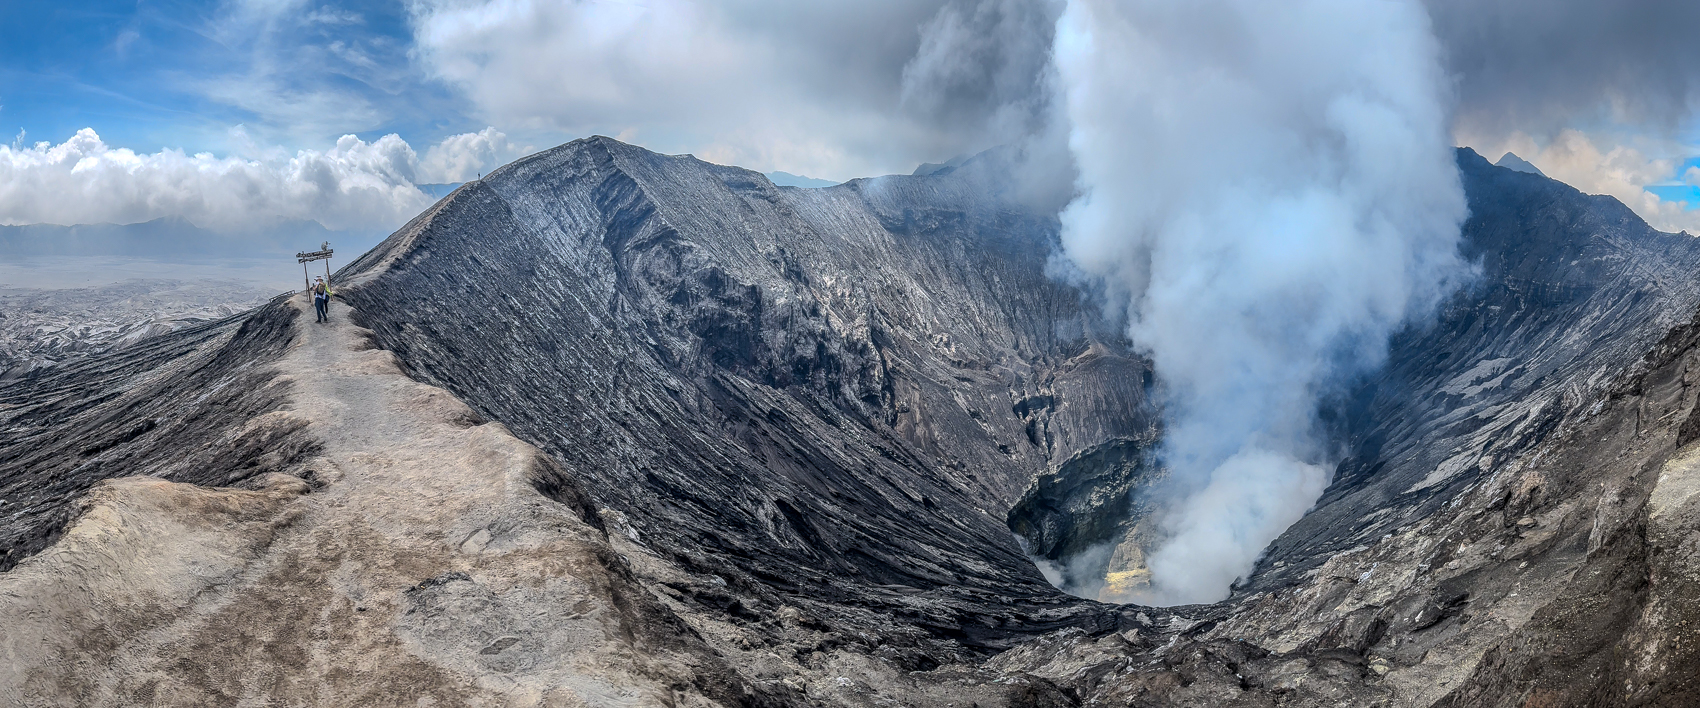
[1574, 290]
[832, 394]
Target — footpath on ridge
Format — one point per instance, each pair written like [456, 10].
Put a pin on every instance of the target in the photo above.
[414, 558]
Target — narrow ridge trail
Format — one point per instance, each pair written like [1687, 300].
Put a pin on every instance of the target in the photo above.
[417, 564]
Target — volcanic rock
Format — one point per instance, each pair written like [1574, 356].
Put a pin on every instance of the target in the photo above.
[611, 427]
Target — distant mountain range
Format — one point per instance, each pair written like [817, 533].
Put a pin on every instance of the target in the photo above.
[175, 237]
[1514, 163]
[786, 179]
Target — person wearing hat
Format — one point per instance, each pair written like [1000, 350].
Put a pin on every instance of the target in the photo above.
[322, 293]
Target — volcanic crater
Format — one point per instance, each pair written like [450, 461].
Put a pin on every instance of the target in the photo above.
[608, 427]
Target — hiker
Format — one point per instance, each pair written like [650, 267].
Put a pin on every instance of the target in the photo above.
[322, 293]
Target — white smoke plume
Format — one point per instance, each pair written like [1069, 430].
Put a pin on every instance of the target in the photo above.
[1268, 189]
[984, 69]
[983, 66]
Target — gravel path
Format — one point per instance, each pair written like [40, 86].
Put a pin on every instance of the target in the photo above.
[417, 564]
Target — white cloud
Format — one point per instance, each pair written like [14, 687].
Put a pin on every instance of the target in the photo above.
[463, 157]
[811, 88]
[354, 185]
[296, 71]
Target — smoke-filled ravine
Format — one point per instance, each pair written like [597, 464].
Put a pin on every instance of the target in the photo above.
[608, 427]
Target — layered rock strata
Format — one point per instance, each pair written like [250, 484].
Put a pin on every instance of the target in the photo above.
[195, 406]
[824, 396]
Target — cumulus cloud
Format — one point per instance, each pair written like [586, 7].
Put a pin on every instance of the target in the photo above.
[1269, 192]
[814, 88]
[354, 185]
[459, 158]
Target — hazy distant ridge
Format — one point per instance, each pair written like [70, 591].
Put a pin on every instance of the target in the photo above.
[172, 237]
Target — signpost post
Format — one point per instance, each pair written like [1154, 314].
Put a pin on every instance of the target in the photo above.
[323, 254]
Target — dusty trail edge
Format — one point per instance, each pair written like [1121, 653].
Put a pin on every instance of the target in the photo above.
[413, 562]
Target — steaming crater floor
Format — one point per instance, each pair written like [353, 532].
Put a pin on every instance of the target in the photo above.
[776, 442]
[1573, 291]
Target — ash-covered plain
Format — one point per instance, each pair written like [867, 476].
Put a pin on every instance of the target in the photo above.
[45, 327]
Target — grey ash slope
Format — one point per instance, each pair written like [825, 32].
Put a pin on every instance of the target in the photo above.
[1514, 526]
[831, 394]
[189, 406]
[1574, 290]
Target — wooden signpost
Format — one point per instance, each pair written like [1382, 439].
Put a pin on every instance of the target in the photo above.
[323, 254]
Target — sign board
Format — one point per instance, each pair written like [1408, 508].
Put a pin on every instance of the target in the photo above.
[323, 254]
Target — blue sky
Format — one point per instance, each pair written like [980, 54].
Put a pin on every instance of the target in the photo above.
[167, 73]
[226, 111]
[1677, 190]
[740, 80]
